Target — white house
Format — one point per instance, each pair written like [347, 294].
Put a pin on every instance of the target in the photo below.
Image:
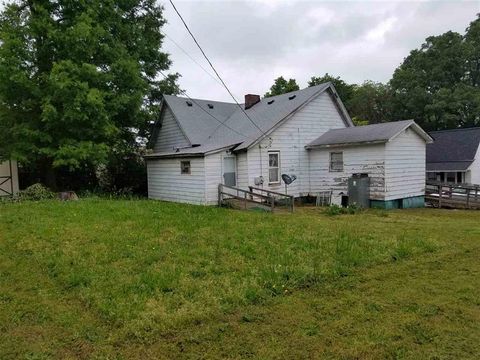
[198, 144]
[8, 178]
[454, 157]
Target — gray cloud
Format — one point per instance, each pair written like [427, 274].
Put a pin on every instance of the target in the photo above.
[251, 42]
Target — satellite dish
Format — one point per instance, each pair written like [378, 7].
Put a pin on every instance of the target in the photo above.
[288, 179]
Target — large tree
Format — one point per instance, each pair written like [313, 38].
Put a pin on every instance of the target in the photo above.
[344, 90]
[78, 79]
[371, 103]
[282, 86]
[439, 84]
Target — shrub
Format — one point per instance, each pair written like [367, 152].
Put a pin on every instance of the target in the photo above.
[334, 210]
[36, 192]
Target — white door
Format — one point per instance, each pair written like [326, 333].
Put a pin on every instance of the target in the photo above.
[229, 171]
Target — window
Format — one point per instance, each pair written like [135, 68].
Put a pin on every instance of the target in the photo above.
[451, 177]
[185, 167]
[336, 161]
[273, 167]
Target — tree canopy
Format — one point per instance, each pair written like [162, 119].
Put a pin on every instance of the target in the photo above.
[78, 80]
[282, 86]
[344, 90]
[438, 84]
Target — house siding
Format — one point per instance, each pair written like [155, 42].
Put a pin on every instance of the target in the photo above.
[170, 135]
[367, 159]
[213, 176]
[474, 170]
[290, 138]
[405, 166]
[5, 171]
[242, 170]
[165, 182]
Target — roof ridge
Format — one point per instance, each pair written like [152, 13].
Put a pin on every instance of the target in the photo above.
[458, 129]
[206, 100]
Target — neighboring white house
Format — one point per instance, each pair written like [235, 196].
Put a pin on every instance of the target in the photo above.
[8, 178]
[198, 144]
[454, 157]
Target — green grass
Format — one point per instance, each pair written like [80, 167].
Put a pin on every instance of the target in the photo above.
[145, 279]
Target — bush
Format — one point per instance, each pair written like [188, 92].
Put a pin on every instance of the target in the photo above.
[36, 192]
[334, 210]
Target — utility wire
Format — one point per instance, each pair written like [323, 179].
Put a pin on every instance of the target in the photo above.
[213, 68]
[183, 92]
[191, 58]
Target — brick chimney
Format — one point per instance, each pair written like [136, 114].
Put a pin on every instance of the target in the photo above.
[251, 100]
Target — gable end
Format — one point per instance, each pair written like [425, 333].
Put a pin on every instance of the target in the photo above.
[168, 135]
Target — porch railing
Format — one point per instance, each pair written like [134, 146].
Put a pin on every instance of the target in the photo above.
[450, 195]
[254, 197]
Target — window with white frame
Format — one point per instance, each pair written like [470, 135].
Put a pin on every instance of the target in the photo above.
[274, 167]
[185, 167]
[336, 161]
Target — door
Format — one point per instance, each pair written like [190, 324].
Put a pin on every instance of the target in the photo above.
[229, 171]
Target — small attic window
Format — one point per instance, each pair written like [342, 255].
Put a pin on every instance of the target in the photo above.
[189, 103]
[292, 97]
[210, 106]
[270, 102]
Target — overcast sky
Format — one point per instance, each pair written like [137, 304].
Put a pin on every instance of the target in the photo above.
[253, 42]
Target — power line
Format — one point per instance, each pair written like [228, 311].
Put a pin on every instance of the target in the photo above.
[222, 123]
[213, 68]
[191, 58]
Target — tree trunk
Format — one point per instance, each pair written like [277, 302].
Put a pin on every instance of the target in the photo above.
[49, 176]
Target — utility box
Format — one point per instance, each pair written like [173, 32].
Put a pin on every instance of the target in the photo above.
[359, 190]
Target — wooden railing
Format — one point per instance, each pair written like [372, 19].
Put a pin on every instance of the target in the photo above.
[254, 196]
[450, 195]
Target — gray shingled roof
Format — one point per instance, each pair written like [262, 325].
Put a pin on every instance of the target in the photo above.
[452, 150]
[204, 130]
[195, 122]
[376, 133]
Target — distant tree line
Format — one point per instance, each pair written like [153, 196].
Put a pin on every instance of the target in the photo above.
[437, 85]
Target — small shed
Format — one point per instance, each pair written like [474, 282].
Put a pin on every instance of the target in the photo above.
[391, 155]
[8, 178]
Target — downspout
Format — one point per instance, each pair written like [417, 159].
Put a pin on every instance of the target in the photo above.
[261, 163]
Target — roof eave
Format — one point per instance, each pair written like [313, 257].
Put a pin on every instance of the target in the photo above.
[359, 143]
[418, 129]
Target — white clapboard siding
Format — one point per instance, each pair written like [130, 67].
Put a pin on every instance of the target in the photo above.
[165, 182]
[213, 176]
[5, 171]
[242, 170]
[367, 159]
[290, 138]
[170, 135]
[405, 166]
[474, 170]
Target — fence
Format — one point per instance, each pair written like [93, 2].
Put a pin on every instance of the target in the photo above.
[455, 196]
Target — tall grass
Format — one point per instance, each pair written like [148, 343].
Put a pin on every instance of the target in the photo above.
[148, 267]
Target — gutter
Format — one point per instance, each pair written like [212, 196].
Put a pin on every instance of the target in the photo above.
[327, 146]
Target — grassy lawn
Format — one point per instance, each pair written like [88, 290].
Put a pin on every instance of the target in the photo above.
[145, 279]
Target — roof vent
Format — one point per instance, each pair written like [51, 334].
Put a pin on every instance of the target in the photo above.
[210, 106]
[270, 102]
[292, 97]
[189, 103]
